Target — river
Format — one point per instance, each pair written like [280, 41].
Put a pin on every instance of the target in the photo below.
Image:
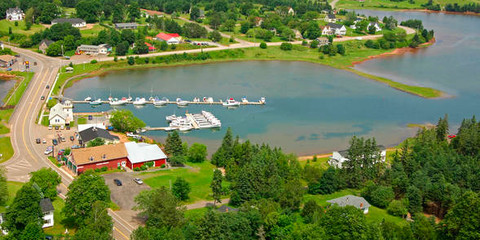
[313, 108]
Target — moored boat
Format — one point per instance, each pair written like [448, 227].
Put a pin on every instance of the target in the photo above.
[98, 101]
[88, 99]
[181, 103]
[231, 103]
[139, 101]
[160, 102]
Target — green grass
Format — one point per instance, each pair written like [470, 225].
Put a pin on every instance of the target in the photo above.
[391, 5]
[93, 32]
[54, 161]
[19, 87]
[58, 217]
[12, 187]
[199, 177]
[20, 29]
[6, 149]
[82, 120]
[194, 214]
[321, 163]
[45, 121]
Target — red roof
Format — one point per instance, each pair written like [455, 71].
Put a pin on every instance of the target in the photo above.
[167, 36]
[150, 46]
[174, 34]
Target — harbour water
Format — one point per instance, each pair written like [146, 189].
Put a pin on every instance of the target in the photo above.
[312, 108]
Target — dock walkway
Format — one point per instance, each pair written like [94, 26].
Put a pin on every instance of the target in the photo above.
[173, 102]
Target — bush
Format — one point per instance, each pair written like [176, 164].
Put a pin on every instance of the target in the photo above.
[397, 208]
[163, 166]
[149, 164]
[16, 24]
[143, 167]
[131, 61]
[136, 169]
[115, 59]
[104, 169]
[286, 46]
[372, 44]
[379, 196]
[314, 44]
[263, 45]
[93, 61]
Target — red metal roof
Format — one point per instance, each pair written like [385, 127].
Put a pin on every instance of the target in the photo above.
[167, 36]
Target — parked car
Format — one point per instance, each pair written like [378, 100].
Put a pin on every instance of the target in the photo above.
[48, 86]
[188, 40]
[63, 139]
[72, 138]
[50, 127]
[138, 181]
[117, 182]
[38, 141]
[75, 147]
[44, 141]
[48, 150]
[62, 127]
[68, 127]
[42, 98]
[9, 69]
[90, 117]
[57, 127]
[55, 142]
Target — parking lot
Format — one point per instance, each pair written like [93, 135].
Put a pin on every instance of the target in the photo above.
[124, 195]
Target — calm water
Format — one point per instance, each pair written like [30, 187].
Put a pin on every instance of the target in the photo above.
[5, 87]
[312, 108]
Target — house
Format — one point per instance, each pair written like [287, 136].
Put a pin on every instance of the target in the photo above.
[330, 18]
[258, 21]
[322, 41]
[44, 45]
[350, 200]
[82, 127]
[151, 48]
[15, 14]
[126, 25]
[338, 158]
[76, 22]
[140, 153]
[326, 30]
[374, 24]
[92, 133]
[110, 156]
[61, 114]
[170, 38]
[47, 210]
[94, 50]
[202, 14]
[225, 209]
[336, 29]
[150, 13]
[7, 60]
[291, 11]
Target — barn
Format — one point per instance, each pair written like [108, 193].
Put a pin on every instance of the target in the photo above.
[110, 156]
[141, 153]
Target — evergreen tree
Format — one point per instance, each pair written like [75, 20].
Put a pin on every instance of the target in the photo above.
[216, 186]
[414, 200]
[181, 189]
[173, 144]
[442, 128]
[224, 153]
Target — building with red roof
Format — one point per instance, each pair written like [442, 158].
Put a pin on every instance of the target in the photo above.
[151, 48]
[170, 38]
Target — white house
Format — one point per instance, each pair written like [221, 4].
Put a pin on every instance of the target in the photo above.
[76, 22]
[170, 38]
[15, 14]
[350, 200]
[330, 18]
[377, 27]
[94, 50]
[61, 114]
[291, 11]
[337, 29]
[47, 209]
[338, 158]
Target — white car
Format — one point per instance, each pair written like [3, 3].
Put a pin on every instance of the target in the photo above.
[48, 150]
[138, 181]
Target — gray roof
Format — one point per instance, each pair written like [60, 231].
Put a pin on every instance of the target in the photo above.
[117, 25]
[69, 20]
[331, 16]
[350, 200]
[345, 152]
[47, 42]
[93, 132]
[14, 10]
[46, 205]
[334, 25]
[225, 208]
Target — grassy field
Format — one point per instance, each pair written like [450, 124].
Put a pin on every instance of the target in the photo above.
[20, 29]
[193, 214]
[12, 187]
[391, 5]
[58, 217]
[321, 162]
[93, 32]
[199, 176]
[19, 87]
[6, 149]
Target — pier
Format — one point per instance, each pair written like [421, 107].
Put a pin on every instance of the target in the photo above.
[175, 103]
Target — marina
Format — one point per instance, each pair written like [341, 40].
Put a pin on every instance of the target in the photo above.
[203, 120]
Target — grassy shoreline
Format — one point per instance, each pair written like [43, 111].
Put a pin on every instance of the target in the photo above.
[272, 53]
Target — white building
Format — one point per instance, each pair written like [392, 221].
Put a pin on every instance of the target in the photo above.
[338, 158]
[350, 200]
[76, 22]
[377, 27]
[334, 29]
[330, 18]
[61, 114]
[47, 209]
[15, 14]
[94, 50]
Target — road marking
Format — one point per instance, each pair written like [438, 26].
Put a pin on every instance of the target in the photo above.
[118, 230]
[120, 218]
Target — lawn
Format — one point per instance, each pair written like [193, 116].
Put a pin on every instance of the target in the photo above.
[199, 176]
[82, 120]
[194, 214]
[12, 187]
[6, 149]
[321, 162]
[58, 217]
[93, 32]
[392, 5]
[20, 87]
[20, 29]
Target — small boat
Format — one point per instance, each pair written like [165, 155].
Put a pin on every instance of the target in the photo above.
[98, 101]
[124, 100]
[185, 128]
[168, 129]
[115, 102]
[244, 100]
[231, 103]
[139, 101]
[262, 100]
[196, 99]
[181, 103]
[88, 99]
[171, 118]
[160, 102]
[208, 99]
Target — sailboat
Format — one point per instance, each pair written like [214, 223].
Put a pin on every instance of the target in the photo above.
[160, 102]
[139, 101]
[129, 99]
[97, 101]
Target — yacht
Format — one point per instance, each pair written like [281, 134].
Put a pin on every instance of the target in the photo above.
[139, 101]
[262, 100]
[124, 100]
[88, 99]
[168, 129]
[98, 101]
[115, 102]
[160, 102]
[231, 103]
[244, 100]
[181, 103]
[185, 128]
[171, 118]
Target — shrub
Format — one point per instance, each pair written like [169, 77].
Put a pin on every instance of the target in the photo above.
[397, 208]
[163, 166]
[379, 196]
[16, 24]
[93, 61]
[143, 167]
[115, 59]
[286, 46]
[314, 44]
[263, 45]
[136, 169]
[149, 164]
[104, 169]
[131, 61]
[372, 44]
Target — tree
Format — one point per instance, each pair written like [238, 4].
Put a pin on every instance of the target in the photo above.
[173, 144]
[160, 207]
[372, 29]
[122, 48]
[286, 46]
[312, 31]
[84, 191]
[345, 223]
[216, 186]
[229, 25]
[195, 13]
[215, 20]
[244, 27]
[292, 195]
[89, 10]
[140, 47]
[133, 11]
[125, 121]
[415, 200]
[263, 45]
[379, 196]
[442, 128]
[47, 179]
[69, 43]
[224, 152]
[33, 230]
[197, 153]
[397, 208]
[98, 224]
[55, 49]
[96, 142]
[310, 211]
[128, 36]
[463, 220]
[341, 49]
[193, 30]
[118, 13]
[215, 36]
[327, 183]
[314, 44]
[181, 189]
[3, 187]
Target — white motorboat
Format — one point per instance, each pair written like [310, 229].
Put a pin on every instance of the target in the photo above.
[196, 99]
[160, 102]
[124, 100]
[88, 99]
[168, 129]
[231, 103]
[181, 103]
[171, 118]
[244, 100]
[208, 99]
[115, 102]
[98, 101]
[262, 100]
[185, 128]
[139, 101]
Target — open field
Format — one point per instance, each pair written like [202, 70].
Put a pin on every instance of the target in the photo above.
[391, 5]
[12, 187]
[20, 29]
[6, 149]
[92, 32]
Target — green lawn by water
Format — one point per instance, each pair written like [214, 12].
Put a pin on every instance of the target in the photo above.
[20, 29]
[392, 5]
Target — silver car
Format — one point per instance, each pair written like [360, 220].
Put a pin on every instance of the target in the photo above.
[138, 181]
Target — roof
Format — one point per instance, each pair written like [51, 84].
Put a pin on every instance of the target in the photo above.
[57, 110]
[133, 24]
[143, 152]
[7, 58]
[334, 25]
[93, 132]
[331, 16]
[82, 127]
[151, 12]
[167, 36]
[47, 42]
[350, 200]
[69, 20]
[225, 208]
[46, 205]
[14, 10]
[82, 156]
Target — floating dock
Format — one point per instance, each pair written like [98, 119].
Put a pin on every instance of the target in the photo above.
[197, 121]
[175, 103]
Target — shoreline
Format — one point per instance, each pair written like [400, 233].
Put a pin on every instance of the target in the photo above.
[424, 10]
